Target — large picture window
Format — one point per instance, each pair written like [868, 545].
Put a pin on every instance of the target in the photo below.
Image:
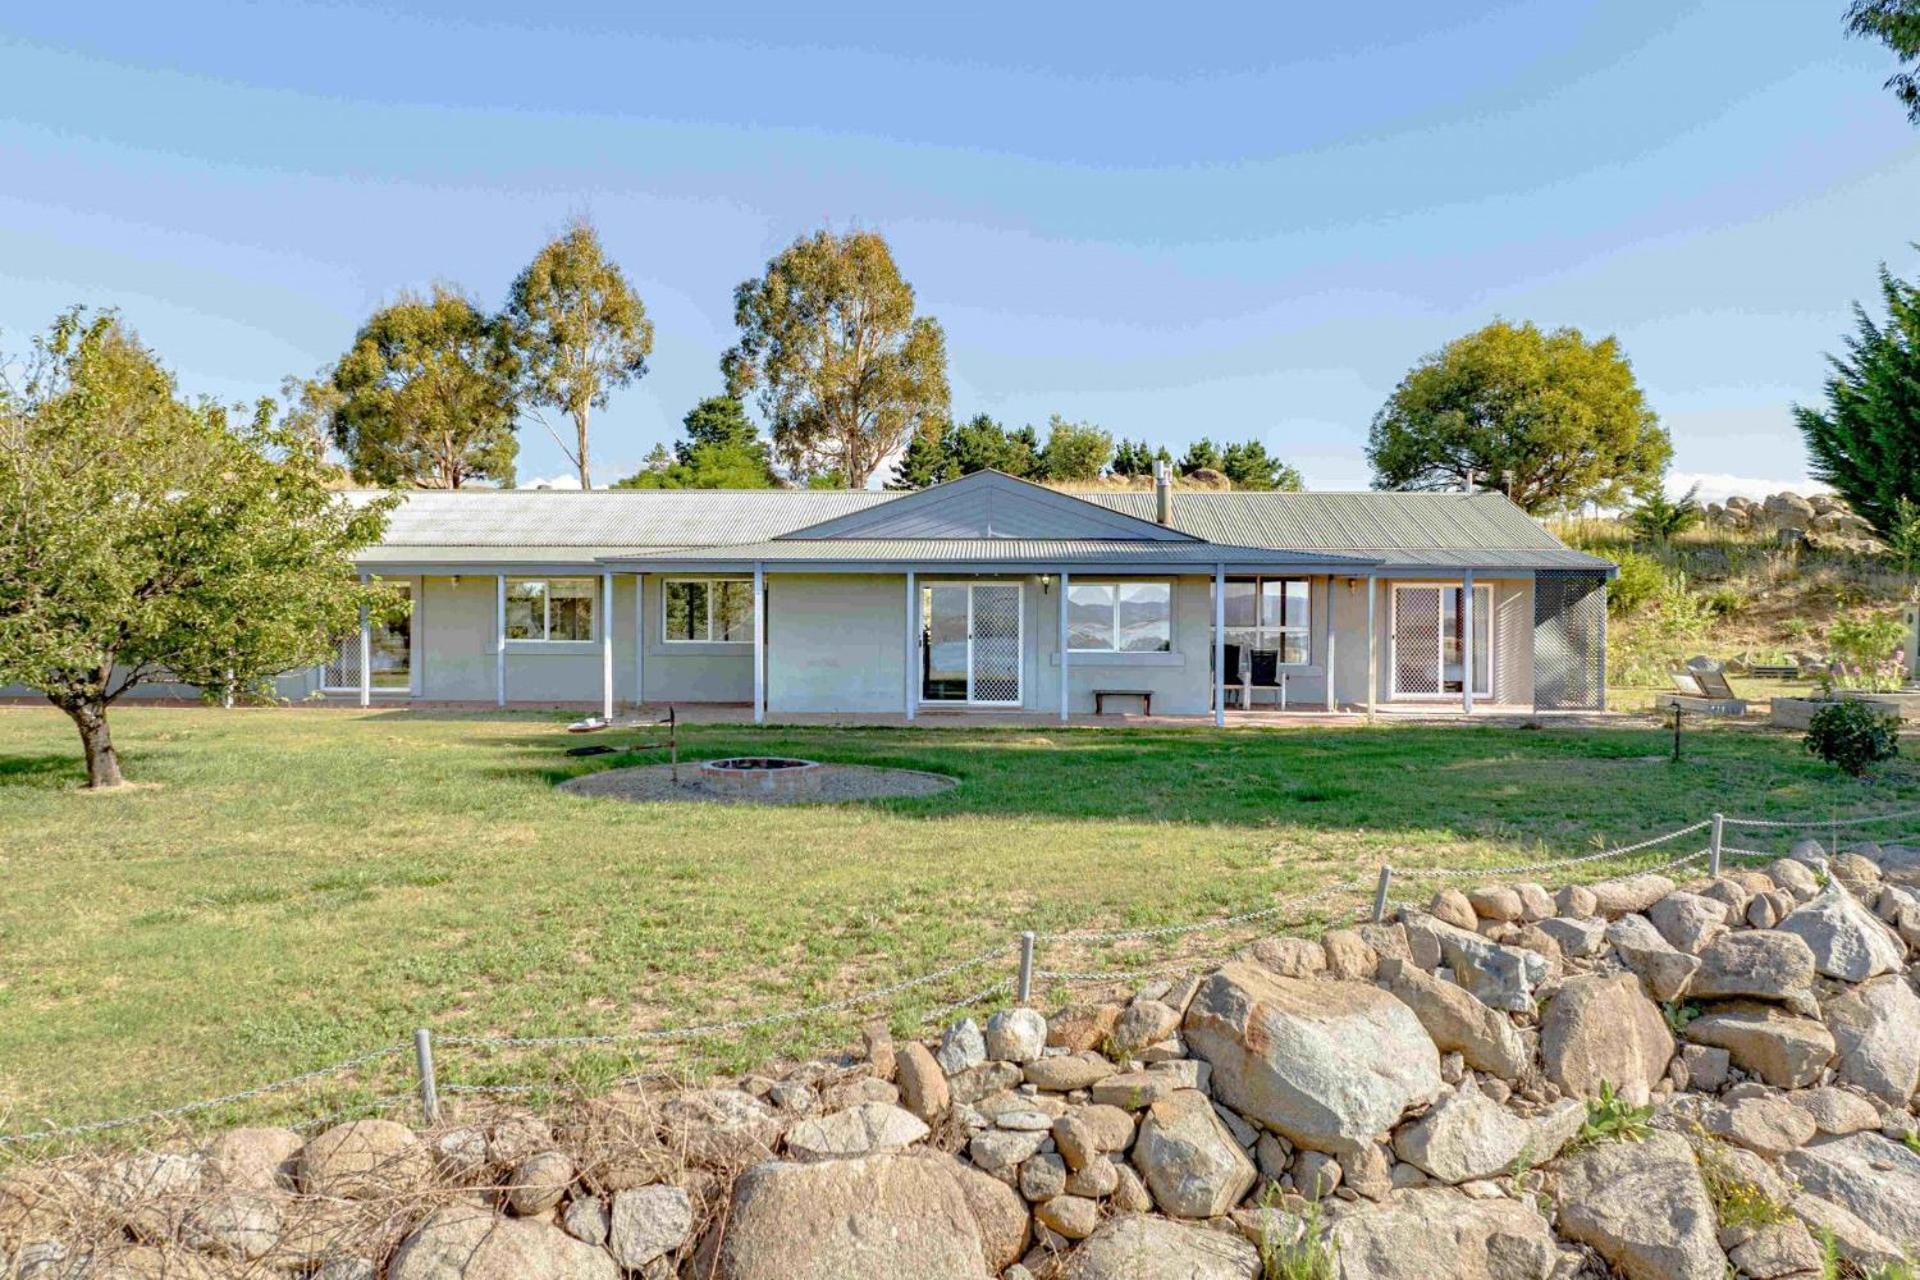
[550, 608]
[1269, 621]
[1120, 617]
[709, 611]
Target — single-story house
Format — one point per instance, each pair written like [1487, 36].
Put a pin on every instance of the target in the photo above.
[985, 592]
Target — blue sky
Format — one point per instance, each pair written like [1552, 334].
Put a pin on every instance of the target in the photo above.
[1171, 222]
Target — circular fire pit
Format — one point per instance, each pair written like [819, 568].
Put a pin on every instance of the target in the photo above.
[763, 775]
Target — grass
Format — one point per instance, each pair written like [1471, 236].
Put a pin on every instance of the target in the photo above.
[286, 887]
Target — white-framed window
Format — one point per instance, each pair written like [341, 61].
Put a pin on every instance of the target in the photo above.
[708, 611]
[542, 609]
[1270, 617]
[1120, 617]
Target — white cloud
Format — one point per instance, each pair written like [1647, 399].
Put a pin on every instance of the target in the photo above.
[1718, 486]
[565, 480]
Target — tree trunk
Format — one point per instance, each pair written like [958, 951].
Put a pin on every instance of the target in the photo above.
[103, 764]
[580, 428]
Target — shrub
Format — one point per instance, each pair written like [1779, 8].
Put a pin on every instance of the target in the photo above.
[1611, 1118]
[1853, 735]
[1641, 578]
[1725, 602]
[1302, 1250]
[1865, 642]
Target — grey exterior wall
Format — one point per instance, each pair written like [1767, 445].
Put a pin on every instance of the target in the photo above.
[836, 642]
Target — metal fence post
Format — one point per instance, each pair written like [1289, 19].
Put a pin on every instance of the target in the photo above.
[1713, 845]
[423, 1057]
[1380, 894]
[1026, 966]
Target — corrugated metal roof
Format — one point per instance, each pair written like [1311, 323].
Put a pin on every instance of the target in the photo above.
[1049, 551]
[612, 517]
[1338, 521]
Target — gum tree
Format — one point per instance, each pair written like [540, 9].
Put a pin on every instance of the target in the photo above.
[151, 539]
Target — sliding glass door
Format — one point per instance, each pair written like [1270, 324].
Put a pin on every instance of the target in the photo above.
[971, 642]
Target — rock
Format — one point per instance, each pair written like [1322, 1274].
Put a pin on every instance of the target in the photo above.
[1875, 1180]
[1688, 921]
[1848, 941]
[1067, 1072]
[1762, 912]
[1760, 964]
[1189, 1161]
[1316, 1174]
[1101, 1178]
[254, 1159]
[1500, 977]
[235, 1223]
[1290, 957]
[1576, 901]
[1836, 1112]
[961, 1047]
[1130, 1195]
[1076, 1141]
[1389, 941]
[1706, 1067]
[1081, 1027]
[857, 1131]
[464, 1242]
[1794, 877]
[1766, 1124]
[1325, 1064]
[1450, 906]
[538, 1182]
[923, 1087]
[1464, 1137]
[1042, 1177]
[1856, 871]
[362, 1160]
[649, 1223]
[1775, 1251]
[876, 1040]
[898, 1214]
[1111, 1127]
[1348, 955]
[1642, 1207]
[1495, 902]
[1134, 1090]
[1604, 1030]
[1786, 1051]
[1368, 1171]
[1074, 1217]
[1187, 1073]
[1577, 939]
[1016, 1035]
[515, 1137]
[1457, 1022]
[1134, 1247]
[1000, 1152]
[720, 1126]
[1535, 902]
[1431, 1233]
[1876, 1031]
[983, 1081]
[1633, 894]
[1142, 1023]
[1664, 971]
[586, 1219]
[1853, 1239]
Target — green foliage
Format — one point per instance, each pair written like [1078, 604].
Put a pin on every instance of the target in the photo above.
[1864, 642]
[579, 331]
[1136, 458]
[1678, 1013]
[148, 538]
[1074, 451]
[1611, 1118]
[1903, 536]
[1724, 602]
[1641, 579]
[1301, 1249]
[1202, 455]
[722, 450]
[1661, 518]
[1896, 24]
[427, 396]
[1737, 1201]
[1853, 735]
[845, 372]
[1864, 441]
[1557, 419]
[1250, 467]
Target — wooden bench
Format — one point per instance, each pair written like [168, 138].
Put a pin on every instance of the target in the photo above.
[1100, 697]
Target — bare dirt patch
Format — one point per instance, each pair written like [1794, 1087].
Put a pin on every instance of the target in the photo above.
[839, 784]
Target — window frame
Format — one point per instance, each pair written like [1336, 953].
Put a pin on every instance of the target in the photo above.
[713, 614]
[592, 596]
[1272, 636]
[1116, 585]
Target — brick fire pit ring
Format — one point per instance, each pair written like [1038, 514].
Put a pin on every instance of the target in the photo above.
[763, 775]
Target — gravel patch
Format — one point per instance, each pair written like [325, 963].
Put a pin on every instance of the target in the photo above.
[838, 783]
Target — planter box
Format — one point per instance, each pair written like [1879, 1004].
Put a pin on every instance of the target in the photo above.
[1798, 713]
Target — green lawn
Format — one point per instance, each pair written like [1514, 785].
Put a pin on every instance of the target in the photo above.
[283, 888]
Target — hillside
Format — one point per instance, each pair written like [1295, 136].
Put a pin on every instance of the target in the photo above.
[1787, 580]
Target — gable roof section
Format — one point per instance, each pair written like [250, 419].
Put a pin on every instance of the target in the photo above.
[883, 555]
[611, 518]
[988, 505]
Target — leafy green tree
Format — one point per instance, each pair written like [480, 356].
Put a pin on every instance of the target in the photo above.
[927, 461]
[846, 373]
[1250, 467]
[311, 403]
[1202, 454]
[152, 539]
[1867, 442]
[981, 443]
[722, 450]
[1562, 414]
[579, 331]
[1660, 518]
[1896, 24]
[1074, 451]
[427, 396]
[1132, 458]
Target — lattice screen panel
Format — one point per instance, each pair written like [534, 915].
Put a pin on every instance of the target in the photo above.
[1416, 641]
[996, 644]
[343, 668]
[1570, 640]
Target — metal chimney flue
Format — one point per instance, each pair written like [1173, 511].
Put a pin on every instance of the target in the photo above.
[1162, 493]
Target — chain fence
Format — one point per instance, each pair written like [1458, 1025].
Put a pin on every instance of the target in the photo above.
[1017, 987]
